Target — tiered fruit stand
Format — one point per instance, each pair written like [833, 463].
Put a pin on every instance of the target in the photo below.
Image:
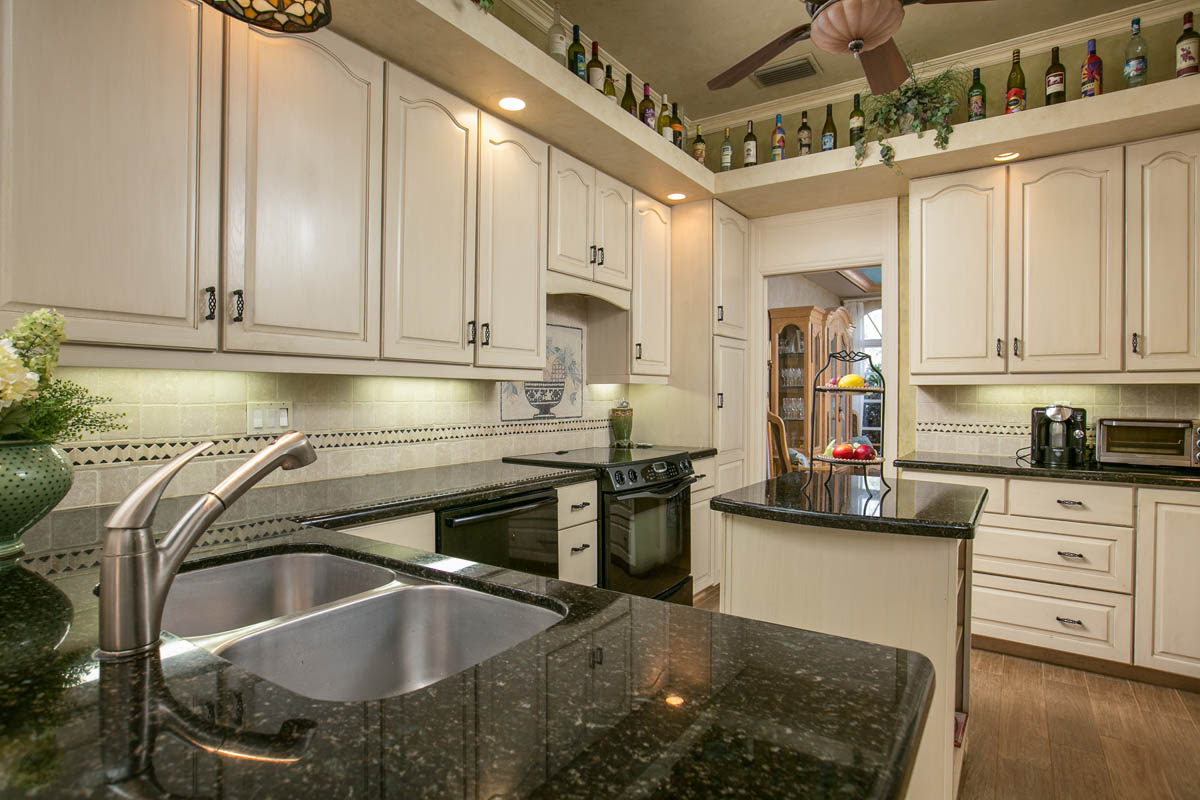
[825, 404]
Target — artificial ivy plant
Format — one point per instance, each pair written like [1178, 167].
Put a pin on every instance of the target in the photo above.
[920, 104]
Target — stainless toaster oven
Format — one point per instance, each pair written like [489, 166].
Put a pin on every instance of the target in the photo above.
[1148, 442]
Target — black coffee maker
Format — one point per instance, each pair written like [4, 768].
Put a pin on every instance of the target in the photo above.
[1059, 436]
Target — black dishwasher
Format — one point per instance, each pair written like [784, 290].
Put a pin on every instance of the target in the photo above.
[517, 532]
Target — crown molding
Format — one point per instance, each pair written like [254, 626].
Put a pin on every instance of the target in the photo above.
[1151, 13]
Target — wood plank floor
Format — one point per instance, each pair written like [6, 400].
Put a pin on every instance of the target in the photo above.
[1044, 732]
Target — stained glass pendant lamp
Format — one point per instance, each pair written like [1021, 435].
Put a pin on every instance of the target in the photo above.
[288, 16]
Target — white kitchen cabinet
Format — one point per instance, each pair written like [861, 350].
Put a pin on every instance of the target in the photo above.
[572, 215]
[650, 302]
[431, 178]
[614, 232]
[703, 544]
[730, 264]
[1167, 606]
[729, 381]
[303, 175]
[110, 168]
[957, 275]
[511, 298]
[1162, 261]
[1065, 256]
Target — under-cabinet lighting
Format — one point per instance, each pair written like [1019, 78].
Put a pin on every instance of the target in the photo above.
[677, 196]
[1006, 157]
[512, 103]
[674, 700]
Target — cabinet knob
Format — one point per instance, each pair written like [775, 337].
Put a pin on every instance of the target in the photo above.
[239, 304]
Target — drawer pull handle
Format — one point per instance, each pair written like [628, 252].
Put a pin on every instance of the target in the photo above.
[581, 548]
[1076, 556]
[701, 476]
[1071, 503]
[1068, 621]
[580, 506]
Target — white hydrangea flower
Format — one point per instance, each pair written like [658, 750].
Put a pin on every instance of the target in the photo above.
[17, 382]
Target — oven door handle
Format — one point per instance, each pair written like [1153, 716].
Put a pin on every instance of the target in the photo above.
[508, 511]
[667, 495]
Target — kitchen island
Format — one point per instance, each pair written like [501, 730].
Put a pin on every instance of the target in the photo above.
[851, 557]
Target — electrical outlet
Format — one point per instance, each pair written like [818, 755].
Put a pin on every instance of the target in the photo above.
[269, 417]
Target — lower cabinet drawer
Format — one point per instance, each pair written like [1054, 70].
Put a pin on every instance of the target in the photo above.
[1084, 621]
[578, 554]
[1076, 554]
[1072, 501]
[576, 503]
[706, 474]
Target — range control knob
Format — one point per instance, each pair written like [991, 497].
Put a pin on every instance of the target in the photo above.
[618, 477]
[685, 464]
[633, 476]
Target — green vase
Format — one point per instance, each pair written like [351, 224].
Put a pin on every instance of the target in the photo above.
[34, 476]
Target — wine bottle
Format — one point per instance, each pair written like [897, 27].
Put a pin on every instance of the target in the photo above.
[858, 122]
[610, 88]
[749, 146]
[778, 139]
[829, 132]
[804, 135]
[1092, 73]
[1137, 56]
[595, 69]
[628, 100]
[676, 126]
[699, 146]
[646, 107]
[1014, 96]
[1056, 80]
[976, 98]
[556, 37]
[1187, 49]
[726, 153]
[663, 121]
[575, 56]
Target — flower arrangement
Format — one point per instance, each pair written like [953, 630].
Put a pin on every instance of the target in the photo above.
[35, 405]
[918, 105]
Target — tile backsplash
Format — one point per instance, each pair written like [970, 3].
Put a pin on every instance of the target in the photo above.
[995, 419]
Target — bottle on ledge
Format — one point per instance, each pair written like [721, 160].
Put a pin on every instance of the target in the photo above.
[1137, 63]
[575, 56]
[778, 139]
[1014, 96]
[1092, 73]
[646, 107]
[829, 132]
[610, 88]
[749, 146]
[1056, 80]
[858, 122]
[804, 135]
[976, 98]
[676, 126]
[726, 153]
[1187, 49]
[595, 69]
[663, 122]
[699, 146]
[557, 39]
[628, 100]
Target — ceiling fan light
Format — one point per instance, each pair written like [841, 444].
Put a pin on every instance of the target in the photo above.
[840, 24]
[285, 16]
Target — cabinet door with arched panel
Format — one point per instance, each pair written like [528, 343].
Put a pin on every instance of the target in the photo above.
[651, 298]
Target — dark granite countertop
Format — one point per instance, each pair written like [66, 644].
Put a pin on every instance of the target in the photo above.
[910, 508]
[578, 711]
[1010, 466]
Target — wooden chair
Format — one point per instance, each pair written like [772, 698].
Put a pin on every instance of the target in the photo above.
[781, 462]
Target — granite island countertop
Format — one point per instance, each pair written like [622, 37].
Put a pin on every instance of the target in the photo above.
[909, 507]
[1011, 466]
[578, 711]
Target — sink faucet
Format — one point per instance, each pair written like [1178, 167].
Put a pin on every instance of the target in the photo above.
[136, 574]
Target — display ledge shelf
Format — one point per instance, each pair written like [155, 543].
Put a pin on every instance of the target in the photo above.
[827, 179]
[477, 57]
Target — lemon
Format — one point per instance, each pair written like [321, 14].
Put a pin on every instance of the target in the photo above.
[852, 381]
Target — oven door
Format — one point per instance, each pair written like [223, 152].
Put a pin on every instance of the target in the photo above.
[648, 539]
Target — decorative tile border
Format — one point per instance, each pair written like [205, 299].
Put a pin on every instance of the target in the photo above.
[97, 454]
[973, 428]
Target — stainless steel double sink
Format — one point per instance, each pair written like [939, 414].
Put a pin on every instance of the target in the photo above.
[332, 628]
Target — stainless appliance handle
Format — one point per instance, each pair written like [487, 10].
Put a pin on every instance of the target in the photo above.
[676, 490]
[1146, 423]
[507, 511]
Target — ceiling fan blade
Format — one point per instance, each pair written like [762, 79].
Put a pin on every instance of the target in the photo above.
[933, 2]
[761, 56]
[885, 67]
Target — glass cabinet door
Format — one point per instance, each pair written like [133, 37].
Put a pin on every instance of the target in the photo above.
[790, 348]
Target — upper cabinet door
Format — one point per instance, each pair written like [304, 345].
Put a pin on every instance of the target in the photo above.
[511, 304]
[729, 381]
[614, 232]
[430, 183]
[1162, 273]
[304, 163]
[572, 193]
[1065, 253]
[650, 301]
[957, 272]
[110, 142]
[731, 260]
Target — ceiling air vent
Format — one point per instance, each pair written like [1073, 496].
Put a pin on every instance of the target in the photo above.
[787, 71]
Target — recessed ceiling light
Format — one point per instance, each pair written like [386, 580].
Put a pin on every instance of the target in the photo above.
[1006, 157]
[512, 103]
[674, 700]
[677, 196]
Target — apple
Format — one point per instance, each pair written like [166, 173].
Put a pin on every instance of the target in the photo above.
[864, 452]
[843, 451]
[832, 382]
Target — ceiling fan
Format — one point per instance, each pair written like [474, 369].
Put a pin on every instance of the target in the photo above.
[862, 28]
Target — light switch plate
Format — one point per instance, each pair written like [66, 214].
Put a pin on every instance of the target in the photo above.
[269, 417]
